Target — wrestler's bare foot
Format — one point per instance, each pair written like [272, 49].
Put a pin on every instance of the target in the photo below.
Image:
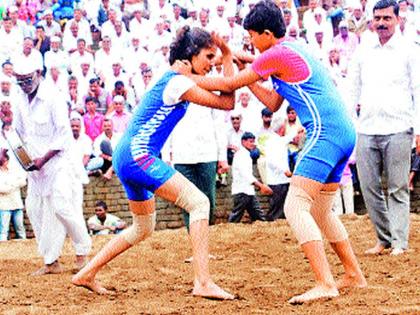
[53, 268]
[316, 293]
[375, 250]
[89, 283]
[211, 290]
[352, 281]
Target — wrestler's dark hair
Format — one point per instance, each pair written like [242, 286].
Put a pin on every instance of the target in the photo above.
[265, 15]
[188, 43]
[383, 4]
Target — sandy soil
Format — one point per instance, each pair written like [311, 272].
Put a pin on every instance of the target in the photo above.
[259, 262]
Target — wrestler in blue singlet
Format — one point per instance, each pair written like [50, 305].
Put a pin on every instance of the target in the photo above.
[135, 159]
[306, 85]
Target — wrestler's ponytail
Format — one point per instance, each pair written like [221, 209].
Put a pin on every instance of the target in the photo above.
[188, 43]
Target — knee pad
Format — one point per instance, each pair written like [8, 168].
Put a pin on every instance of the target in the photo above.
[192, 200]
[297, 210]
[142, 227]
[327, 220]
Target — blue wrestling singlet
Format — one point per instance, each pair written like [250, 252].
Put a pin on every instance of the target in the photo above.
[305, 83]
[135, 159]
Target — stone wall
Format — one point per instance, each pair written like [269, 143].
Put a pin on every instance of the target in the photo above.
[169, 216]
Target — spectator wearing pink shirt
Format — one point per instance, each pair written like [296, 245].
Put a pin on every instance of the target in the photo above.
[345, 41]
[120, 117]
[92, 119]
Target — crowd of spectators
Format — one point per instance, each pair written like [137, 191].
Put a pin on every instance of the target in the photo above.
[102, 55]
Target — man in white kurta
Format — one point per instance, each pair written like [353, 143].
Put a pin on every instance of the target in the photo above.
[43, 124]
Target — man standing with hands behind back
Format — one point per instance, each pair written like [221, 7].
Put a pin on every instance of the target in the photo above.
[42, 122]
[385, 81]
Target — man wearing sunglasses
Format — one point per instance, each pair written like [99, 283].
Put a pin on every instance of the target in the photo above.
[42, 122]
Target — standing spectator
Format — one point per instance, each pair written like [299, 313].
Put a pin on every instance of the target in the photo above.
[92, 119]
[103, 223]
[42, 121]
[344, 199]
[120, 117]
[243, 183]
[385, 131]
[415, 169]
[199, 155]
[263, 135]
[234, 135]
[277, 174]
[12, 178]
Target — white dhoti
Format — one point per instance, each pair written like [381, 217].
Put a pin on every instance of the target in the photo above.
[59, 213]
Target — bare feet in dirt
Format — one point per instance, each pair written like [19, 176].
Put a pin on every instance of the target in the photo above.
[53, 268]
[349, 281]
[375, 250]
[211, 291]
[319, 292]
[90, 284]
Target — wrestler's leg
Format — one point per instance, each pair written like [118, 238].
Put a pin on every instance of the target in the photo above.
[143, 213]
[184, 194]
[336, 234]
[298, 203]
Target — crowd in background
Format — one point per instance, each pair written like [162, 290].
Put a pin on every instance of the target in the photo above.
[100, 56]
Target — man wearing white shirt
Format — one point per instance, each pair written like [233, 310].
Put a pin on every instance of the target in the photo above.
[200, 154]
[42, 122]
[277, 174]
[51, 27]
[80, 55]
[29, 54]
[83, 24]
[244, 183]
[385, 81]
[11, 40]
[56, 57]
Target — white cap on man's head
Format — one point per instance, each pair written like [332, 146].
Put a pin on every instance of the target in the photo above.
[118, 99]
[13, 8]
[5, 78]
[55, 39]
[47, 12]
[343, 24]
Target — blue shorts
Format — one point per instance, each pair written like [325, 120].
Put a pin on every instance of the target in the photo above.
[140, 177]
[323, 159]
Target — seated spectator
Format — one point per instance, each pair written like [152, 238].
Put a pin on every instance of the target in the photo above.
[119, 116]
[126, 92]
[243, 183]
[104, 98]
[42, 41]
[92, 119]
[11, 205]
[103, 223]
[104, 145]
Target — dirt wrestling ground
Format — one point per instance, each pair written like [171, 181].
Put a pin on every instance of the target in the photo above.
[260, 262]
